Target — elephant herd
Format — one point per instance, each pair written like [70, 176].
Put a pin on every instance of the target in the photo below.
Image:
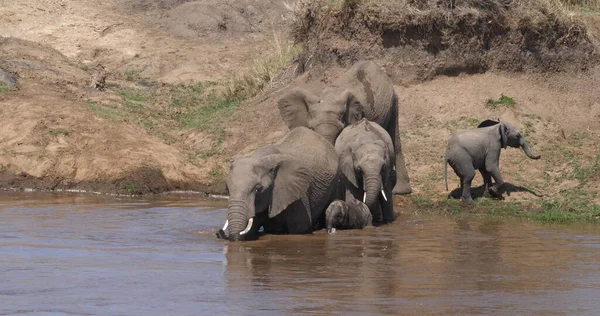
[341, 161]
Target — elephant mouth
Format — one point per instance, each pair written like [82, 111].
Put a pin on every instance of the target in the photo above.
[223, 234]
[382, 194]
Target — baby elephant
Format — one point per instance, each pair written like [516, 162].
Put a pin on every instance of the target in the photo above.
[479, 149]
[352, 214]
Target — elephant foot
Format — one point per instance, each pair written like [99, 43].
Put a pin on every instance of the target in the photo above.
[467, 200]
[495, 192]
[402, 189]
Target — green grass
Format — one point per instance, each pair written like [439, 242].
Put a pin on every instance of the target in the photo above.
[131, 75]
[58, 131]
[217, 174]
[504, 101]
[553, 211]
[584, 173]
[202, 118]
[130, 188]
[461, 123]
[133, 96]
[104, 112]
[4, 88]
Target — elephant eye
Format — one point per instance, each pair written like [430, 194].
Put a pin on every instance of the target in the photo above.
[258, 188]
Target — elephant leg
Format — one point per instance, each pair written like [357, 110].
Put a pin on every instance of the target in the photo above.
[388, 209]
[402, 185]
[377, 213]
[297, 219]
[496, 189]
[466, 172]
[487, 181]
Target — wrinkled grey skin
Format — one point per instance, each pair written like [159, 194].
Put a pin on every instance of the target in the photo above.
[283, 187]
[363, 91]
[479, 149]
[366, 160]
[351, 214]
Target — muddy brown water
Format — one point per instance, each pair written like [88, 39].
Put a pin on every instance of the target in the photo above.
[74, 254]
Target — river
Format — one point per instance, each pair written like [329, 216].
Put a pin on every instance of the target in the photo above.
[85, 254]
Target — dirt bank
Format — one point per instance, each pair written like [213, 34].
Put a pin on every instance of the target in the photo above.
[161, 122]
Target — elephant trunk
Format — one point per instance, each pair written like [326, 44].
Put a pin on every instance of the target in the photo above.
[237, 219]
[527, 150]
[372, 186]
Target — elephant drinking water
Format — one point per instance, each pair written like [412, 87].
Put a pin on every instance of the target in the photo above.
[284, 187]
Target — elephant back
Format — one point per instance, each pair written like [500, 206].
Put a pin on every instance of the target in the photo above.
[372, 87]
[318, 155]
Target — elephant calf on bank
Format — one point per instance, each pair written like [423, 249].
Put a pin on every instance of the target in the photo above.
[479, 149]
[349, 214]
[364, 90]
[284, 187]
[366, 159]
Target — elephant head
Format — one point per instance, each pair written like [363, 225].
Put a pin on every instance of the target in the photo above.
[510, 136]
[336, 215]
[261, 185]
[368, 164]
[327, 115]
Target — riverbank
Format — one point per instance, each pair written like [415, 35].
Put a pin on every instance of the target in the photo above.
[182, 98]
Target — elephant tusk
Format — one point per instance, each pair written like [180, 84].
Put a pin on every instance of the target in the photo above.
[248, 227]
[226, 224]
[365, 198]
[384, 197]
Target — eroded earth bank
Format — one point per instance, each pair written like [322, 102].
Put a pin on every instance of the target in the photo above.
[140, 96]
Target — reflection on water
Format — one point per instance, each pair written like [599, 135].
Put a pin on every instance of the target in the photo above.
[94, 255]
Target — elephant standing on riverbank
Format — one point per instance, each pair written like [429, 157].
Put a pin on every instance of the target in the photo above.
[284, 187]
[363, 91]
[479, 149]
[366, 159]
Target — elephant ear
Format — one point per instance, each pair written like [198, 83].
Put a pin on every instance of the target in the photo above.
[291, 182]
[487, 123]
[293, 107]
[503, 137]
[346, 163]
[354, 109]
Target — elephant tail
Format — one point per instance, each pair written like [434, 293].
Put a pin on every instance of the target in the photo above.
[446, 172]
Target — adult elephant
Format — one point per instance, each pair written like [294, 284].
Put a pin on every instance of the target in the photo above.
[479, 149]
[362, 91]
[285, 187]
[366, 159]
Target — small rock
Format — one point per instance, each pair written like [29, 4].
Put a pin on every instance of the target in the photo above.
[98, 78]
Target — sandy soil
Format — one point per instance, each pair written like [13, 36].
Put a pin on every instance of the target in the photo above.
[54, 135]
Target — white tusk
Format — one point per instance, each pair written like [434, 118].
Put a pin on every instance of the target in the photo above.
[365, 198]
[394, 168]
[384, 197]
[225, 226]
[248, 227]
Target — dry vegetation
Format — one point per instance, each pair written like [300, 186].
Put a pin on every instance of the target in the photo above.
[187, 94]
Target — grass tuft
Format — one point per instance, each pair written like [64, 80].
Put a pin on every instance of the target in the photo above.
[58, 131]
[504, 100]
[263, 71]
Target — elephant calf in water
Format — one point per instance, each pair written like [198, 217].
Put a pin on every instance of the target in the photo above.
[351, 214]
[479, 149]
